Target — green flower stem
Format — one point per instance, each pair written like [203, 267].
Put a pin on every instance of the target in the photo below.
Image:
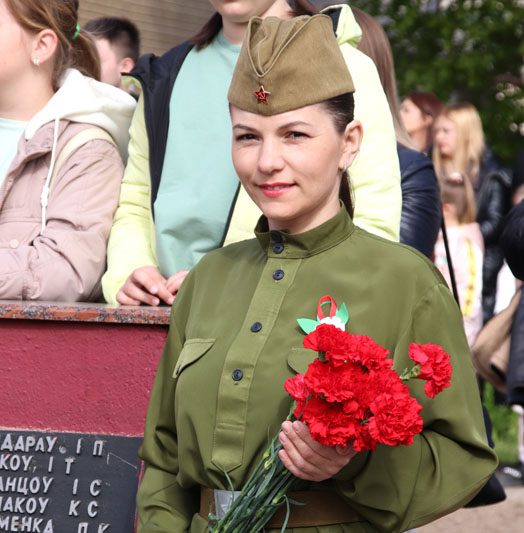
[410, 373]
[262, 495]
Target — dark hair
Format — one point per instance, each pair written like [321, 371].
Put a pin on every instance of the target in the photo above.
[74, 50]
[342, 110]
[213, 26]
[428, 104]
[120, 32]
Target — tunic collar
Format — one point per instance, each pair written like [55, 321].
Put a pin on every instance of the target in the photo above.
[312, 242]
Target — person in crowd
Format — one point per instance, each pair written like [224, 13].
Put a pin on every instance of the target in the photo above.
[460, 147]
[421, 214]
[512, 242]
[518, 175]
[466, 248]
[418, 112]
[63, 136]
[118, 43]
[234, 320]
[180, 200]
[512, 238]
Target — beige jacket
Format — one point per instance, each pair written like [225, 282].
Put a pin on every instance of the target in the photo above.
[53, 244]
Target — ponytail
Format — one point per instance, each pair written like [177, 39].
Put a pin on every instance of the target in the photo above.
[84, 56]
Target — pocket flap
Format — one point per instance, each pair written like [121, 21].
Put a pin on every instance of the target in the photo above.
[299, 359]
[192, 350]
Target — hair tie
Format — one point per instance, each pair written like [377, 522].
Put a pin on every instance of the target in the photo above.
[77, 32]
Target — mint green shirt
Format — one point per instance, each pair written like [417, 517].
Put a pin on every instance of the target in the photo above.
[198, 182]
[10, 132]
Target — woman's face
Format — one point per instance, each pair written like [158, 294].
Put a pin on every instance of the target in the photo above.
[15, 48]
[413, 118]
[445, 136]
[240, 11]
[290, 164]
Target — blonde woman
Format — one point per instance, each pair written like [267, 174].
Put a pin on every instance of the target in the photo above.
[460, 147]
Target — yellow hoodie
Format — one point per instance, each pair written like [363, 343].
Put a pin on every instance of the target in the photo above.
[374, 175]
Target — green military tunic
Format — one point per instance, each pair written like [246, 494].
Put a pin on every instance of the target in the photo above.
[219, 396]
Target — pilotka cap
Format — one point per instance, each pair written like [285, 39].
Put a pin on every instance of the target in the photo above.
[288, 64]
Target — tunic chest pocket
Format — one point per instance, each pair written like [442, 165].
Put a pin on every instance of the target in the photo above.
[299, 358]
[192, 350]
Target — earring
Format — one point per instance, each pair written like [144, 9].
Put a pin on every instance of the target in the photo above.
[36, 61]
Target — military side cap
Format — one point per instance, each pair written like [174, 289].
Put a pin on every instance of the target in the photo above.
[288, 64]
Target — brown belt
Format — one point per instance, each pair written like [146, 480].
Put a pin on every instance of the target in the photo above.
[321, 508]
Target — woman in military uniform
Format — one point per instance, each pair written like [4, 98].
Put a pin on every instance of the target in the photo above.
[234, 339]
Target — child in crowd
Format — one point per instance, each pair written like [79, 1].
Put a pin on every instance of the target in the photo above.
[118, 43]
[460, 147]
[466, 249]
[63, 137]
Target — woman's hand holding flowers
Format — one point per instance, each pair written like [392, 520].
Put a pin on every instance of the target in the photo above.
[306, 458]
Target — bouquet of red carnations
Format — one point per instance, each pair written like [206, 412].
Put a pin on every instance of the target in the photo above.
[349, 395]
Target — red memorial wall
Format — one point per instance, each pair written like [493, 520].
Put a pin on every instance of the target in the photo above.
[74, 386]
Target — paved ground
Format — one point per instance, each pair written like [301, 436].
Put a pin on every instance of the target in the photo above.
[505, 517]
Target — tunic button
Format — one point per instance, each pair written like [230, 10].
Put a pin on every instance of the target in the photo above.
[278, 275]
[237, 374]
[14, 243]
[278, 248]
[256, 327]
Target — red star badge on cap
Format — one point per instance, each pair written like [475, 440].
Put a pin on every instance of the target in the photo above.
[262, 95]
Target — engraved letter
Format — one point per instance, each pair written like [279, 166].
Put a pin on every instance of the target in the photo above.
[27, 460]
[22, 485]
[42, 502]
[7, 444]
[31, 506]
[92, 509]
[97, 491]
[73, 506]
[34, 485]
[47, 483]
[50, 443]
[69, 461]
[98, 448]
[29, 443]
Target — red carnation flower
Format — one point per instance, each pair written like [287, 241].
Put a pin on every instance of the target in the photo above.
[328, 424]
[396, 418]
[335, 384]
[297, 389]
[363, 350]
[326, 338]
[435, 366]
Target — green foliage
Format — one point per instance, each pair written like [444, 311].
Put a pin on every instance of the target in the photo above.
[469, 50]
[505, 427]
